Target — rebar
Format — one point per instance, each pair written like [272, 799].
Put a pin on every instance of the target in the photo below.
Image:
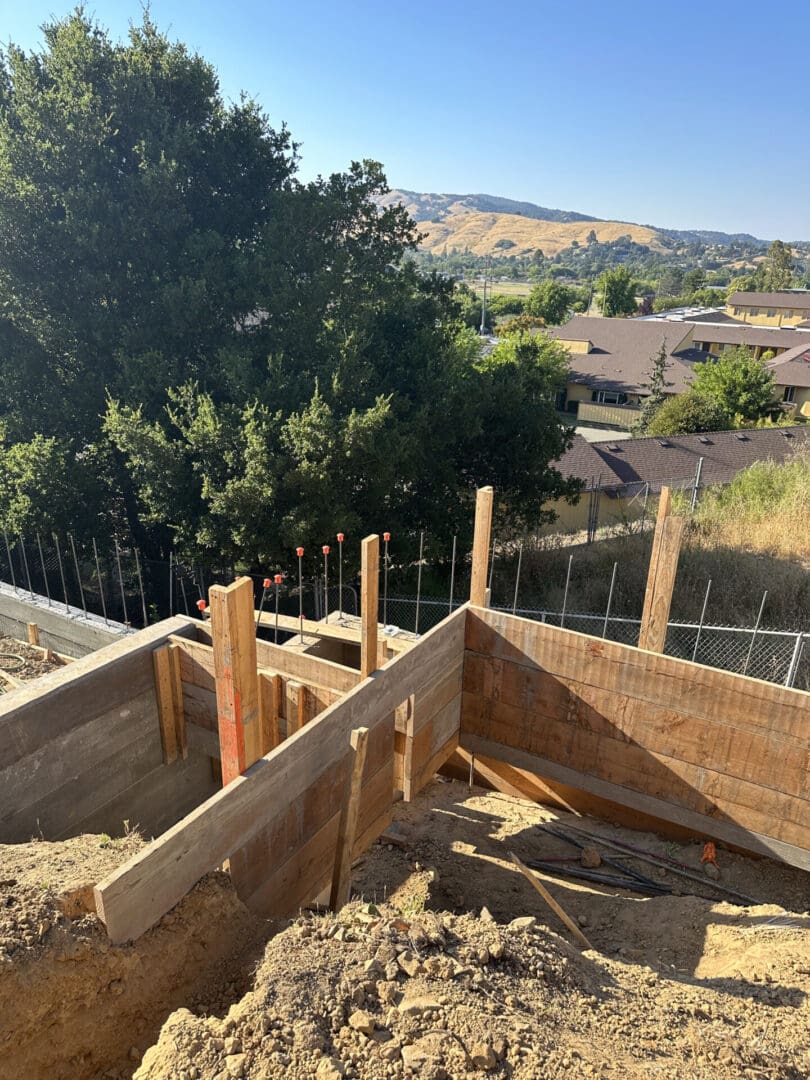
[300, 553]
[452, 573]
[700, 624]
[25, 566]
[100, 585]
[340, 537]
[419, 582]
[44, 571]
[491, 567]
[10, 562]
[565, 594]
[121, 581]
[171, 582]
[386, 538]
[61, 570]
[78, 572]
[754, 634]
[143, 594]
[277, 581]
[326, 582]
[517, 578]
[610, 599]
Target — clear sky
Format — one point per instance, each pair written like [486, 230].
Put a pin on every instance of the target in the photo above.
[690, 115]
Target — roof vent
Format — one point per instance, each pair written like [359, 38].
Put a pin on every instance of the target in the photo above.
[704, 440]
[613, 447]
[741, 436]
[788, 434]
[664, 442]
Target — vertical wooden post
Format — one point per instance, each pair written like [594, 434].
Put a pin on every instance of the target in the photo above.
[369, 603]
[661, 576]
[481, 545]
[342, 876]
[169, 694]
[234, 641]
[269, 710]
[177, 698]
[33, 634]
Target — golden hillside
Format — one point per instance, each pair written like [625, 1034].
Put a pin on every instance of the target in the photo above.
[480, 232]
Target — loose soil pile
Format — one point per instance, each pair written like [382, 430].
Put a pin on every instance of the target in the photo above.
[74, 1006]
[450, 965]
[22, 662]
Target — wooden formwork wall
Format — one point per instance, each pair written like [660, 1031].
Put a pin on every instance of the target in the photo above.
[277, 823]
[80, 748]
[723, 755]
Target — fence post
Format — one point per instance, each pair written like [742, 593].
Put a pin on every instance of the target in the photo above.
[794, 660]
[696, 484]
[480, 553]
[661, 576]
[369, 603]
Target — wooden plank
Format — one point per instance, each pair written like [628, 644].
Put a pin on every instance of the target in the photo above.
[165, 703]
[177, 700]
[91, 686]
[658, 600]
[369, 603]
[200, 707]
[552, 903]
[270, 689]
[342, 874]
[33, 634]
[295, 706]
[660, 680]
[204, 741]
[727, 831]
[739, 749]
[234, 645]
[420, 776]
[481, 545]
[315, 631]
[144, 888]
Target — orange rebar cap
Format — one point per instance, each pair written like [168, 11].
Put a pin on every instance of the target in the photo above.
[709, 853]
[299, 552]
[340, 538]
[278, 579]
[386, 537]
[201, 605]
[266, 583]
[326, 549]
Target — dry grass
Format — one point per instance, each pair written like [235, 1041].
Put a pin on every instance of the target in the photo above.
[751, 536]
[502, 288]
[480, 232]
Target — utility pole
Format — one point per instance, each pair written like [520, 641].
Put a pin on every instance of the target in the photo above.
[483, 329]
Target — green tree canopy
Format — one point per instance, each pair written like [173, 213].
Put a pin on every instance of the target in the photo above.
[738, 383]
[551, 302]
[684, 414]
[617, 294]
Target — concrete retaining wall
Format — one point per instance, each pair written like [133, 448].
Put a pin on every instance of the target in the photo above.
[69, 632]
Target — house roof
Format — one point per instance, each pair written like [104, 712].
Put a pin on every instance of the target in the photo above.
[747, 334]
[623, 350]
[792, 368]
[586, 464]
[799, 298]
[674, 460]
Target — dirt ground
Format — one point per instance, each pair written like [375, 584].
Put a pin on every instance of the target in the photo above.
[21, 662]
[428, 974]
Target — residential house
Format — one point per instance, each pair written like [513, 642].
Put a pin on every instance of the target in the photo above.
[792, 372]
[625, 472]
[788, 307]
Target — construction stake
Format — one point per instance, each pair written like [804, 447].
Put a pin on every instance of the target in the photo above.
[342, 877]
[552, 903]
[481, 539]
[369, 603]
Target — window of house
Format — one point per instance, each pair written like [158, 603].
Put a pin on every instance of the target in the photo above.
[754, 311]
[790, 394]
[608, 397]
[736, 311]
[788, 314]
[771, 313]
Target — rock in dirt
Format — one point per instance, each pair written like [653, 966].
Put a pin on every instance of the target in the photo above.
[525, 922]
[483, 1056]
[711, 870]
[362, 1021]
[330, 1068]
[590, 858]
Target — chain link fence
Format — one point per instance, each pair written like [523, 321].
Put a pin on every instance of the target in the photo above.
[780, 656]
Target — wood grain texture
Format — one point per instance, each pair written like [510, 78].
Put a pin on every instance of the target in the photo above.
[658, 599]
[148, 885]
[237, 684]
[347, 831]
[369, 604]
[484, 500]
[166, 704]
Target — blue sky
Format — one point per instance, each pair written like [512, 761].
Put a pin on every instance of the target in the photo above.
[689, 115]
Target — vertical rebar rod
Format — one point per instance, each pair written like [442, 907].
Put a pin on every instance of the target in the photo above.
[453, 573]
[326, 582]
[644, 505]
[300, 553]
[702, 618]
[610, 599]
[100, 585]
[340, 536]
[755, 632]
[265, 587]
[171, 581]
[517, 578]
[10, 563]
[794, 660]
[419, 582]
[491, 566]
[78, 572]
[565, 594]
[121, 581]
[44, 571]
[386, 538]
[182, 590]
[277, 581]
[61, 571]
[143, 594]
[25, 566]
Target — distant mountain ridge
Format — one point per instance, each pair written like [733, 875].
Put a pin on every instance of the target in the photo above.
[446, 210]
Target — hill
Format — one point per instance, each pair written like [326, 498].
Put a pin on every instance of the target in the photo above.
[490, 225]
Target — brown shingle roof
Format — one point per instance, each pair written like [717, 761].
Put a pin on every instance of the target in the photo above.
[674, 460]
[792, 368]
[623, 351]
[768, 337]
[584, 463]
[800, 300]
